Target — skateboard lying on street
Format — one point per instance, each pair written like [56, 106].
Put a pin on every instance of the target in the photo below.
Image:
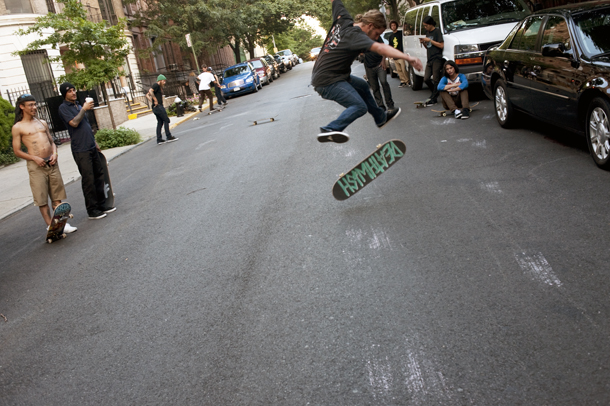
[369, 168]
[216, 110]
[58, 222]
[108, 193]
[265, 120]
[420, 104]
[443, 113]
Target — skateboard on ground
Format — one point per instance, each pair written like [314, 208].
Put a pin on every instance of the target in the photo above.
[420, 104]
[216, 110]
[443, 113]
[265, 120]
[108, 193]
[58, 222]
[369, 168]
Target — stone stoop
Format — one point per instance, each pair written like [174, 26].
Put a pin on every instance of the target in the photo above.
[141, 109]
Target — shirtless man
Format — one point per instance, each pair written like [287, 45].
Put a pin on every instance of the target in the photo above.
[45, 177]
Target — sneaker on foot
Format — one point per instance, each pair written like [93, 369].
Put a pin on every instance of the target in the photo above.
[171, 139]
[161, 142]
[108, 209]
[402, 84]
[69, 229]
[96, 215]
[390, 115]
[465, 114]
[332, 136]
[457, 113]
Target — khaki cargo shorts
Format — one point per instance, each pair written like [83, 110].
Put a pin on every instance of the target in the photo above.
[46, 182]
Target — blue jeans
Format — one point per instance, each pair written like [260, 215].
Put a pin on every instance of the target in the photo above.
[357, 99]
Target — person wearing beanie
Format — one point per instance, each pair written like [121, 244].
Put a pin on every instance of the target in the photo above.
[45, 178]
[85, 152]
[155, 96]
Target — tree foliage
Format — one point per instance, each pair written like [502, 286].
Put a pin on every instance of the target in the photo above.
[101, 48]
[300, 40]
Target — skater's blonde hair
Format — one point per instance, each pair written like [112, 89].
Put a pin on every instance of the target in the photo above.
[374, 17]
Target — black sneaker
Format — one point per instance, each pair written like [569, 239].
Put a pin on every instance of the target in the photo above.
[96, 215]
[161, 142]
[108, 209]
[390, 115]
[465, 114]
[171, 139]
[332, 136]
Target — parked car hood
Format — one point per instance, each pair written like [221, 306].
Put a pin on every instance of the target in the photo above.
[483, 34]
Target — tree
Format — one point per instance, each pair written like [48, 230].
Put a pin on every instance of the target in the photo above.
[300, 40]
[101, 48]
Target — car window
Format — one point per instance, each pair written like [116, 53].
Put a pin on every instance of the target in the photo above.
[237, 70]
[257, 64]
[423, 12]
[594, 32]
[466, 14]
[526, 37]
[435, 15]
[556, 32]
[409, 27]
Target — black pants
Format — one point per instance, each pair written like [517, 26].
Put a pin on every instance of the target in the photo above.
[219, 97]
[162, 120]
[375, 76]
[433, 76]
[92, 179]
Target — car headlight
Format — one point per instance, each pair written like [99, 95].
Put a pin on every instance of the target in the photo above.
[463, 49]
[223, 87]
[250, 80]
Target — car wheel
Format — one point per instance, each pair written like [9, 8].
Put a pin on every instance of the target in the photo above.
[598, 132]
[502, 105]
[417, 82]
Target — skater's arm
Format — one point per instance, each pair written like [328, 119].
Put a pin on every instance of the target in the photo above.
[391, 52]
[151, 96]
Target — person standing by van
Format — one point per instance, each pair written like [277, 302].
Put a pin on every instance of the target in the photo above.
[395, 40]
[434, 44]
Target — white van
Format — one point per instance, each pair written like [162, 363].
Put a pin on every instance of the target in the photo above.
[469, 27]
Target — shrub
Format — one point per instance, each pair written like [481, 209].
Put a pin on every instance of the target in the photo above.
[7, 119]
[108, 138]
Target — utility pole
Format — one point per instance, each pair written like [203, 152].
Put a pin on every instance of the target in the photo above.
[190, 44]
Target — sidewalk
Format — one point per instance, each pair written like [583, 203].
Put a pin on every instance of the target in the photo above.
[15, 192]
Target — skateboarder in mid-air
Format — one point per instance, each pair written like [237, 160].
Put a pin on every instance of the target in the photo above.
[45, 177]
[332, 77]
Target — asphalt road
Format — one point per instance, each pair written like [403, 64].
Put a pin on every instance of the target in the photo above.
[474, 272]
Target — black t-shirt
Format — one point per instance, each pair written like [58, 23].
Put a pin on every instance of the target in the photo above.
[158, 92]
[373, 59]
[434, 52]
[343, 44]
[395, 40]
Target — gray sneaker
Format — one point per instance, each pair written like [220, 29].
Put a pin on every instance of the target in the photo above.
[390, 115]
[332, 136]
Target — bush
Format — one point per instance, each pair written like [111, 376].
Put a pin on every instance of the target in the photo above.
[7, 119]
[107, 138]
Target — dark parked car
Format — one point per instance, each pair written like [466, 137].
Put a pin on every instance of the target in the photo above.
[313, 54]
[555, 66]
[280, 62]
[275, 67]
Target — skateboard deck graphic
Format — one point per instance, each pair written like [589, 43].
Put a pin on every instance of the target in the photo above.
[443, 113]
[368, 169]
[108, 193]
[58, 222]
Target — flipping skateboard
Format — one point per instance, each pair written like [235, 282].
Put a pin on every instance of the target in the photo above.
[216, 110]
[108, 193]
[369, 168]
[58, 222]
[265, 120]
[443, 113]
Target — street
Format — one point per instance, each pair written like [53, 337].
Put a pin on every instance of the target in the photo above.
[473, 272]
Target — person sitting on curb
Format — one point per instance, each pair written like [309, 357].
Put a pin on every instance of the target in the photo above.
[45, 177]
[453, 88]
[155, 95]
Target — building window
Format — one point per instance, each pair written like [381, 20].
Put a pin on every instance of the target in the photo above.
[18, 6]
[38, 74]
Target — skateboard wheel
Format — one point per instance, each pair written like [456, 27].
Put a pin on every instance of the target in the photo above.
[71, 216]
[49, 241]
[64, 235]
[55, 221]
[378, 146]
[255, 123]
[273, 119]
[342, 174]
[444, 114]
